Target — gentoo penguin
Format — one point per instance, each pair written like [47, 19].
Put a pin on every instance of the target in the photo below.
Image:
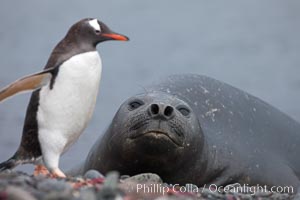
[64, 98]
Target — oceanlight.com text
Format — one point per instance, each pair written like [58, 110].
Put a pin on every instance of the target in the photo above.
[245, 188]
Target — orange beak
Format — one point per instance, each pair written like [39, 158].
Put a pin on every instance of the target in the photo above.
[115, 36]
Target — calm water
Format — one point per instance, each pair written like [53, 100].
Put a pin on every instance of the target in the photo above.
[253, 45]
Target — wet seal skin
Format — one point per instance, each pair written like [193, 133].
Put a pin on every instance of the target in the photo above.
[195, 129]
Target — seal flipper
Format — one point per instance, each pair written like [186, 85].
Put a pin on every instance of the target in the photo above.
[31, 82]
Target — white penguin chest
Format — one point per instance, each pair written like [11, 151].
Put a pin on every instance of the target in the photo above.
[65, 110]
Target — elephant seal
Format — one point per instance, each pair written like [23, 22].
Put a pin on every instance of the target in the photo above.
[195, 129]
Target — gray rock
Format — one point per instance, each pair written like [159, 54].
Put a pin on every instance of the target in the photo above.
[144, 178]
[123, 177]
[262, 194]
[279, 196]
[8, 174]
[109, 194]
[92, 174]
[112, 179]
[17, 193]
[58, 196]
[87, 194]
[48, 185]
[22, 180]
[110, 189]
[37, 194]
[208, 194]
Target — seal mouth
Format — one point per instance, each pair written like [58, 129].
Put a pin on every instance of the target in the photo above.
[158, 135]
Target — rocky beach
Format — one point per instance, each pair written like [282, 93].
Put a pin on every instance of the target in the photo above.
[15, 185]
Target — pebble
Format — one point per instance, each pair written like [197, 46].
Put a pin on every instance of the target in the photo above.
[123, 177]
[262, 194]
[144, 178]
[110, 189]
[87, 193]
[17, 193]
[48, 185]
[22, 180]
[92, 174]
[54, 195]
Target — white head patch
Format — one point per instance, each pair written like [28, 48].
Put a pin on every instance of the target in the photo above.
[94, 23]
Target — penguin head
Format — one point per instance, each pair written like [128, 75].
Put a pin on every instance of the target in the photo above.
[91, 31]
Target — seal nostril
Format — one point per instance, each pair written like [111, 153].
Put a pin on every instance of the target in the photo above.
[180, 134]
[154, 108]
[168, 111]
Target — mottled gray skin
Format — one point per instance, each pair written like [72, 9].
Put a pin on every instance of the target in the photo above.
[229, 136]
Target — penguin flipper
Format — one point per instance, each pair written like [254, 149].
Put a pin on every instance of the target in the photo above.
[27, 83]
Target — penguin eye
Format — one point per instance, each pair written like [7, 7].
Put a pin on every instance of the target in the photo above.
[184, 110]
[135, 104]
[97, 31]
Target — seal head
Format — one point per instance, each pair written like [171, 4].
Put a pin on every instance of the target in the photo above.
[151, 130]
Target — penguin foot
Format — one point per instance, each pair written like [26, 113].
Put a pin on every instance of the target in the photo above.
[40, 170]
[57, 173]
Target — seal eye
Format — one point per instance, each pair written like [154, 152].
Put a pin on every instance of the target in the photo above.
[183, 110]
[135, 104]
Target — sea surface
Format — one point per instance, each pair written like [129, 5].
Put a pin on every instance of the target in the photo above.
[253, 45]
